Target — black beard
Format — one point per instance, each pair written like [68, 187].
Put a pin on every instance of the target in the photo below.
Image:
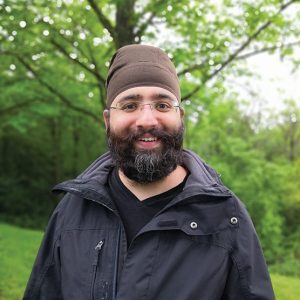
[145, 166]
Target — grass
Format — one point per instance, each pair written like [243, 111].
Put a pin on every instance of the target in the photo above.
[286, 288]
[18, 248]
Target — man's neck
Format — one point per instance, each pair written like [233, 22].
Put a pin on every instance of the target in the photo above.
[146, 190]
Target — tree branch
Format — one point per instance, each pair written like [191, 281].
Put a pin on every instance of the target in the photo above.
[266, 49]
[95, 72]
[17, 106]
[52, 90]
[149, 21]
[103, 19]
[70, 42]
[192, 68]
[239, 50]
[14, 81]
[77, 61]
[101, 85]
[242, 56]
[144, 26]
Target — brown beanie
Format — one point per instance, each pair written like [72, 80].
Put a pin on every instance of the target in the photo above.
[140, 65]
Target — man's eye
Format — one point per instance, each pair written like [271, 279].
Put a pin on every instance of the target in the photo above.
[163, 106]
[129, 107]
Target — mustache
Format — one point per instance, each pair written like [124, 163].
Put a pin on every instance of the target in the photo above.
[135, 135]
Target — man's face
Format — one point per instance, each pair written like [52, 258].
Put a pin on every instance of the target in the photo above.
[145, 133]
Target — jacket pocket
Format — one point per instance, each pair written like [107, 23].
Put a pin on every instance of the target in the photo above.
[95, 268]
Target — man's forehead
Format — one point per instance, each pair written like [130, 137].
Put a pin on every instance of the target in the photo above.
[149, 93]
[153, 96]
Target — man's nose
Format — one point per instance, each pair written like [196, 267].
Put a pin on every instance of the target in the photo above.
[146, 117]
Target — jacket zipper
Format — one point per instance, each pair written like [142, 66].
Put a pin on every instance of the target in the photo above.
[116, 271]
[98, 249]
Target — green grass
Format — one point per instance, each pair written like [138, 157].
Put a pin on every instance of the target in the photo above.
[18, 248]
[286, 288]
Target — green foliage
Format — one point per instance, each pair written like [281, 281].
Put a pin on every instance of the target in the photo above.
[36, 154]
[54, 61]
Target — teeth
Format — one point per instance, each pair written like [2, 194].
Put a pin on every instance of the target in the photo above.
[148, 139]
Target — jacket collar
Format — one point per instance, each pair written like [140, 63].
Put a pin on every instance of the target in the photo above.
[91, 183]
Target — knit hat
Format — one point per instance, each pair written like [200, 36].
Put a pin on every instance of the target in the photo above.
[140, 65]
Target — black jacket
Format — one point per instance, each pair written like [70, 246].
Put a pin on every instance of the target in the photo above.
[201, 246]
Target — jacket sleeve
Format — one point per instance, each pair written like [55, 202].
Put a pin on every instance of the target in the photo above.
[248, 275]
[44, 281]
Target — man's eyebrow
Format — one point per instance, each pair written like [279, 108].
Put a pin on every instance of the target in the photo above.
[131, 97]
[160, 96]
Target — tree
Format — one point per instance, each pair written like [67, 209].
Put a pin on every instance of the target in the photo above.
[54, 58]
[62, 49]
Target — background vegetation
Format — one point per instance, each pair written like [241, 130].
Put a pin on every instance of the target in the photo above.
[53, 63]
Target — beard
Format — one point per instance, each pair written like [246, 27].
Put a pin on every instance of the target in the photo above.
[145, 166]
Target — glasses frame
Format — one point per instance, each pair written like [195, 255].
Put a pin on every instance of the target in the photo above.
[140, 106]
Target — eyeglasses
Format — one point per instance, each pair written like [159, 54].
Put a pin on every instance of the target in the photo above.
[131, 107]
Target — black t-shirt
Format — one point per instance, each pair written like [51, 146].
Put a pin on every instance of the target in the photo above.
[134, 213]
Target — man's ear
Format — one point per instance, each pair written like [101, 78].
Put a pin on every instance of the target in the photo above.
[106, 118]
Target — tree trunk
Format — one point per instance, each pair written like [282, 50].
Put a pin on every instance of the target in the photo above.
[125, 23]
[292, 142]
[76, 136]
[54, 128]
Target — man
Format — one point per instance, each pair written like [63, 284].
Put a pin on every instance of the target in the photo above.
[148, 220]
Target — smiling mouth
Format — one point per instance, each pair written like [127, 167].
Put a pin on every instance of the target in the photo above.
[148, 139]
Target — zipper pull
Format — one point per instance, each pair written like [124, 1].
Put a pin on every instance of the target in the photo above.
[97, 254]
[99, 246]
